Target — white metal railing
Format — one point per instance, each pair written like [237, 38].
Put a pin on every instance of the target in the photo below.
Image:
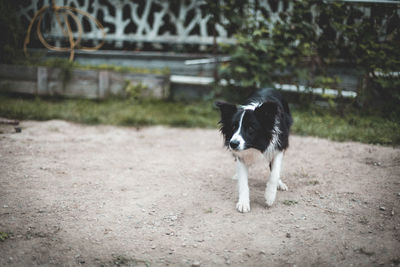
[162, 21]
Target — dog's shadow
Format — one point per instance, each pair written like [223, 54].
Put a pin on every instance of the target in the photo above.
[257, 190]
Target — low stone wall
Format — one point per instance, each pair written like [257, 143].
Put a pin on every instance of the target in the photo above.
[93, 84]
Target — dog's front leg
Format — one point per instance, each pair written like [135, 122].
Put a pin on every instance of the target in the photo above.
[243, 205]
[273, 182]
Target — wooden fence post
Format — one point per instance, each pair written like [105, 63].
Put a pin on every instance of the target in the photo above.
[42, 81]
[104, 83]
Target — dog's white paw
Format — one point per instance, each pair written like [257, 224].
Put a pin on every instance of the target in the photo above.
[282, 186]
[243, 206]
[270, 194]
[269, 201]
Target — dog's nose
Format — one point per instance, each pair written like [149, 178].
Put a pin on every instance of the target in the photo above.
[234, 144]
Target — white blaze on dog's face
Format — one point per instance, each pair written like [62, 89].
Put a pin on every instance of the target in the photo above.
[237, 142]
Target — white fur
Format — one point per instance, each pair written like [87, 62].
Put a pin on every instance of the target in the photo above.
[252, 106]
[274, 180]
[243, 205]
[237, 136]
[271, 149]
[282, 186]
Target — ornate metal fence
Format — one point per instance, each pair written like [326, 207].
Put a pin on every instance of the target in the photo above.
[158, 22]
[127, 21]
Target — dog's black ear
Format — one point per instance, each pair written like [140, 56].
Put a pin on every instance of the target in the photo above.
[266, 112]
[227, 109]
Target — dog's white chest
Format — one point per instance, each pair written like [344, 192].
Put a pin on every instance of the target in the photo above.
[249, 156]
[253, 156]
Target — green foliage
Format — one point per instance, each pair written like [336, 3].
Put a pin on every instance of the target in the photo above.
[290, 202]
[387, 90]
[11, 31]
[134, 91]
[4, 236]
[370, 45]
[234, 10]
[264, 54]
[300, 48]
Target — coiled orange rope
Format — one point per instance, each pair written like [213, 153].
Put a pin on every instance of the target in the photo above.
[65, 11]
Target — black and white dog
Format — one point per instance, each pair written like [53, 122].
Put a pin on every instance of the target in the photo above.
[262, 124]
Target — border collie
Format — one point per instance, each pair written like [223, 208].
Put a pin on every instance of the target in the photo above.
[261, 124]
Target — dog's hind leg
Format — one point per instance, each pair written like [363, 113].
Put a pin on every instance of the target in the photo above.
[243, 205]
[274, 179]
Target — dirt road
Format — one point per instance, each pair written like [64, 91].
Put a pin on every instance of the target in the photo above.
[113, 196]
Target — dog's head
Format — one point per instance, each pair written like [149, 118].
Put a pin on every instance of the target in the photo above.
[250, 126]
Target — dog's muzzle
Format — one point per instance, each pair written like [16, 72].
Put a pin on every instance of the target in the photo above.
[234, 144]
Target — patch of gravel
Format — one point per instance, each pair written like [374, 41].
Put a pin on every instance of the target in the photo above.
[117, 196]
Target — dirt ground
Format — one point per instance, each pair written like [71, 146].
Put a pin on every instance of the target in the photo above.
[114, 196]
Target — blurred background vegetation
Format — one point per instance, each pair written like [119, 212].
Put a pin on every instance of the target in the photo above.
[12, 32]
[297, 51]
[293, 51]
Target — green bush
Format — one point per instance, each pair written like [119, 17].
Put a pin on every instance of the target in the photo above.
[309, 39]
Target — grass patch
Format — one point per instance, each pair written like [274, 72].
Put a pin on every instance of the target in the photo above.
[313, 182]
[124, 112]
[127, 112]
[290, 202]
[352, 126]
[209, 210]
[4, 236]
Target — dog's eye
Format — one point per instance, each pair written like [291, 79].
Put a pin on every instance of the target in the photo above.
[251, 130]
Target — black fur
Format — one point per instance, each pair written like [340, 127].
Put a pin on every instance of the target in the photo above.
[258, 125]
